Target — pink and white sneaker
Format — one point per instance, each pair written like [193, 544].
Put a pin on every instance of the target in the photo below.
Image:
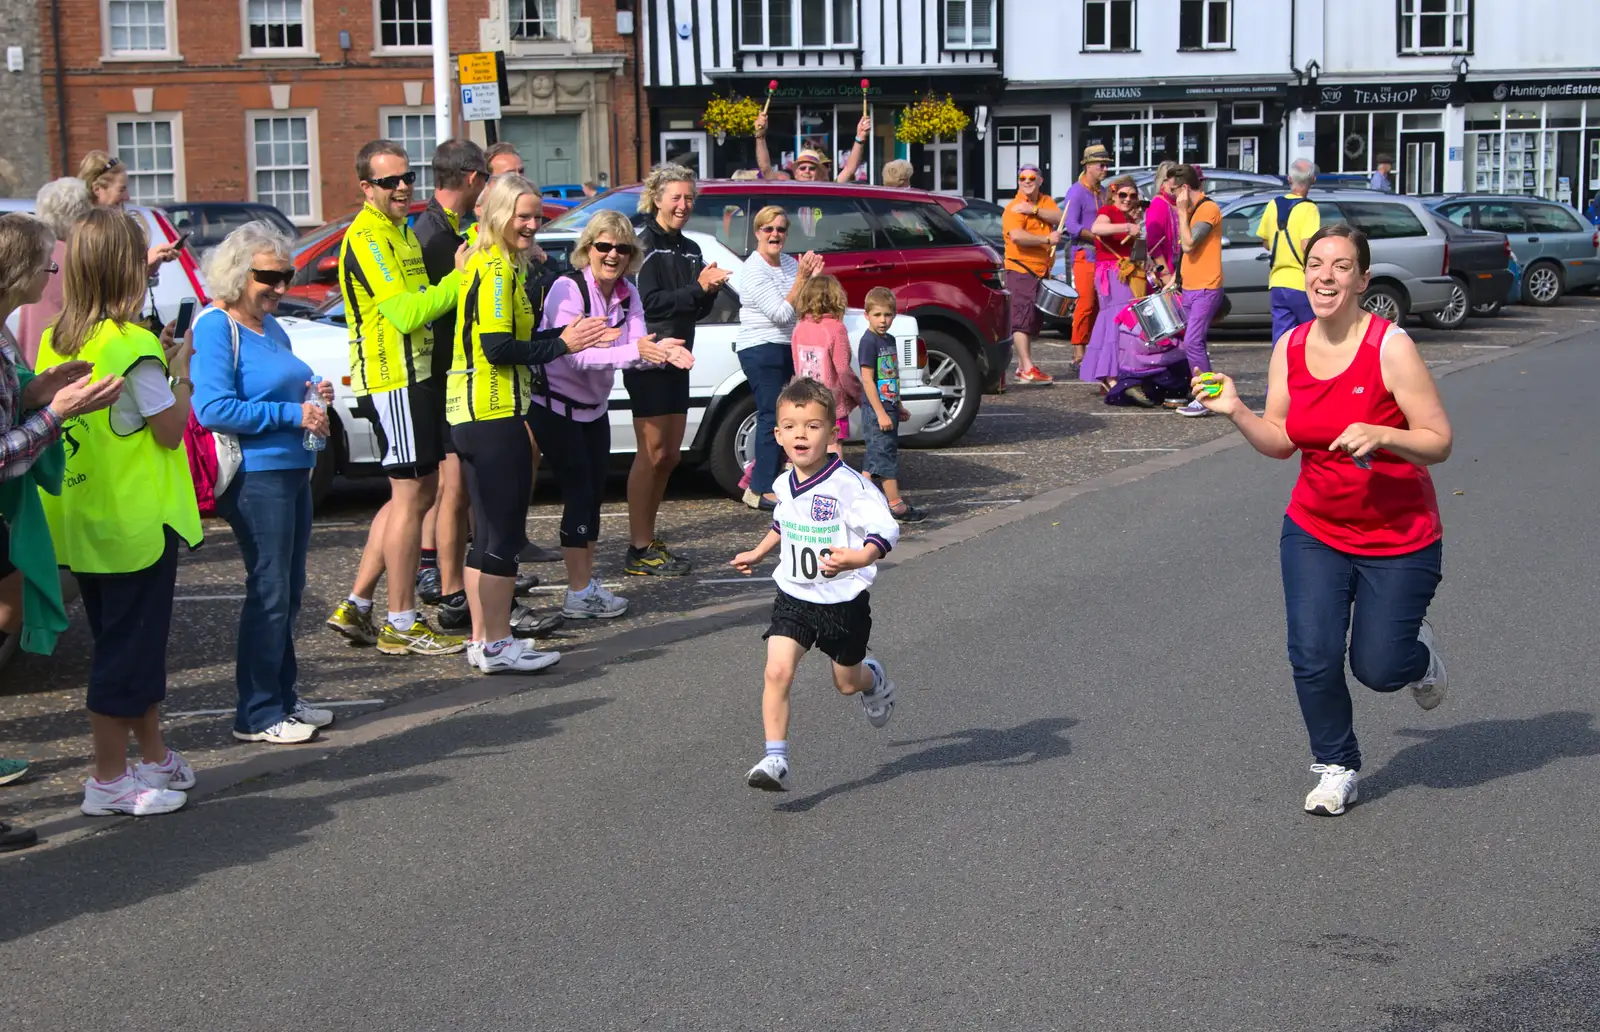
[174, 772]
[130, 795]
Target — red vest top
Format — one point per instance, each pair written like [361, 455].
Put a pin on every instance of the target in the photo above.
[1390, 509]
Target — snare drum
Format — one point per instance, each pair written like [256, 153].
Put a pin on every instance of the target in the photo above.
[1055, 298]
[1160, 316]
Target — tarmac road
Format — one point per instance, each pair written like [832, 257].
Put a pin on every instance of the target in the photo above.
[1085, 815]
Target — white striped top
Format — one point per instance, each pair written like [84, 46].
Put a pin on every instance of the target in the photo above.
[765, 314]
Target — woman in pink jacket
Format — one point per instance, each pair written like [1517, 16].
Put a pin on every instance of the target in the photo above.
[568, 414]
[822, 350]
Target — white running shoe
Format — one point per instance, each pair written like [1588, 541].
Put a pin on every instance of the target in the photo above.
[287, 731]
[1429, 691]
[516, 657]
[598, 604]
[128, 794]
[311, 715]
[174, 772]
[1334, 792]
[879, 703]
[475, 655]
[770, 775]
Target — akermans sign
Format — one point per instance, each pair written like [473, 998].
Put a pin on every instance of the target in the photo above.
[1179, 91]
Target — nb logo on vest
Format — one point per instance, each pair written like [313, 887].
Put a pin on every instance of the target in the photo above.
[1359, 390]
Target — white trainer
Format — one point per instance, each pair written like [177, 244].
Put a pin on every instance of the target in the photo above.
[475, 655]
[130, 795]
[770, 775]
[173, 772]
[287, 731]
[1334, 792]
[878, 703]
[597, 604]
[311, 714]
[1429, 691]
[516, 657]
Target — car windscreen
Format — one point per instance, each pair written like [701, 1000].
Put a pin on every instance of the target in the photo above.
[625, 201]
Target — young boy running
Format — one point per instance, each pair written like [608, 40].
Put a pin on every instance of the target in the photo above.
[832, 527]
[878, 359]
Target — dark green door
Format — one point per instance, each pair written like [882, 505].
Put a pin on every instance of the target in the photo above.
[548, 145]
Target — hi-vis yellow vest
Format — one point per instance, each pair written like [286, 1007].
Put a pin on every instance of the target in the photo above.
[493, 301]
[119, 493]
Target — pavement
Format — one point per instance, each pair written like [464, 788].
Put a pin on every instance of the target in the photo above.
[1085, 815]
[1025, 443]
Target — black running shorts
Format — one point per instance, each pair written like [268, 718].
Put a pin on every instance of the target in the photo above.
[409, 422]
[838, 630]
[657, 392]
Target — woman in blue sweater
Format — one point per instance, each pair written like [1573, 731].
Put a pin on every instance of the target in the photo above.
[248, 382]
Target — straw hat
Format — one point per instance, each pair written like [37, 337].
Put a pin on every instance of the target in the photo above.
[1096, 153]
[814, 156]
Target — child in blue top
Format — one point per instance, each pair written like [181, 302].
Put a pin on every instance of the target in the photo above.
[878, 359]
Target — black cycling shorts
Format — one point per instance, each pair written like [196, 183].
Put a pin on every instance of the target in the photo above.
[580, 454]
[409, 422]
[657, 392]
[838, 630]
[497, 465]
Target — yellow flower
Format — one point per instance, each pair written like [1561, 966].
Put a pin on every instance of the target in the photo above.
[735, 116]
[929, 119]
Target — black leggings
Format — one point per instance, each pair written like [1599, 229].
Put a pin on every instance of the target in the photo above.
[580, 454]
[497, 463]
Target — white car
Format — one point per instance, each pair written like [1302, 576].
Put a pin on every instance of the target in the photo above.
[722, 411]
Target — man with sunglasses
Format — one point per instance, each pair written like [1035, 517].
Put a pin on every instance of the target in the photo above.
[390, 308]
[1032, 228]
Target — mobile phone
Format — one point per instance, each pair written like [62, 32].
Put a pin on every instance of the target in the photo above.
[183, 238]
[186, 307]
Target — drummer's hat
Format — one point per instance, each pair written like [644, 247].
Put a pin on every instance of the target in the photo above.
[1096, 154]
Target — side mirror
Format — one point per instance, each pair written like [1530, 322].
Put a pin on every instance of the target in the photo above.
[327, 269]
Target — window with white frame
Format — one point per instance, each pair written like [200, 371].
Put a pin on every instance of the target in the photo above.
[781, 24]
[1435, 26]
[137, 27]
[535, 19]
[283, 163]
[969, 24]
[1205, 25]
[413, 129]
[405, 23]
[150, 148]
[275, 24]
[1108, 24]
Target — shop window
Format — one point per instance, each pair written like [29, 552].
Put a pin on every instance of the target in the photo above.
[1435, 26]
[909, 224]
[1380, 220]
[1594, 164]
[969, 24]
[783, 24]
[1352, 142]
[1249, 112]
[1108, 25]
[1205, 25]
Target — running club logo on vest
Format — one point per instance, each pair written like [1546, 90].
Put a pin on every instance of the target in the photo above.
[69, 478]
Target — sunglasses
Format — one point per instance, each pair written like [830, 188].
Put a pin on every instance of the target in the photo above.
[1027, 179]
[273, 277]
[390, 182]
[1128, 195]
[52, 268]
[602, 247]
[780, 230]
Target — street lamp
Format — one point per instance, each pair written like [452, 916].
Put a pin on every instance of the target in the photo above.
[1460, 66]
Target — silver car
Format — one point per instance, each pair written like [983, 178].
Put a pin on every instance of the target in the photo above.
[1410, 274]
[1558, 250]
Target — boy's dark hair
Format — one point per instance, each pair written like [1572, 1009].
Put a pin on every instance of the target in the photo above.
[880, 297]
[454, 160]
[371, 150]
[803, 390]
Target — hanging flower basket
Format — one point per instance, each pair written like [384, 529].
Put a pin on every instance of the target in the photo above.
[930, 118]
[730, 116]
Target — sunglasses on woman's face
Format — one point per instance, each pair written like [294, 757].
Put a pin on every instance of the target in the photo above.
[1128, 195]
[273, 277]
[1027, 179]
[601, 247]
[780, 230]
[390, 182]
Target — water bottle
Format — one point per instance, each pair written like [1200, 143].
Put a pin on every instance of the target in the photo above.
[314, 441]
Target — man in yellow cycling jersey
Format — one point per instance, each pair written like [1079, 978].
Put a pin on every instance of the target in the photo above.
[389, 307]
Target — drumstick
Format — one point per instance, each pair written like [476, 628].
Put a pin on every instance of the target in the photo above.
[864, 84]
[772, 87]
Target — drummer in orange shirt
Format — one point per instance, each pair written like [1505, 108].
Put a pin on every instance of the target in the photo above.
[1031, 223]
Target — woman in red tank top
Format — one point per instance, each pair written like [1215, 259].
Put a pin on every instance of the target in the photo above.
[1361, 543]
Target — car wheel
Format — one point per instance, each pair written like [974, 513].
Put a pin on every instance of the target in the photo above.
[733, 445]
[1541, 284]
[954, 370]
[1385, 302]
[1454, 313]
[327, 466]
[1493, 308]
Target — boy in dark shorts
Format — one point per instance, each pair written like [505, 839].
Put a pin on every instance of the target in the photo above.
[879, 359]
[832, 527]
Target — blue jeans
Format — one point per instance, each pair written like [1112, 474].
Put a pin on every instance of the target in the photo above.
[270, 513]
[767, 367]
[1387, 596]
[1290, 308]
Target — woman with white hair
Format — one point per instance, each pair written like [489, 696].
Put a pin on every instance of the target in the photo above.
[249, 382]
[61, 205]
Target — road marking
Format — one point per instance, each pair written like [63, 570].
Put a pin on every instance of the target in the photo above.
[990, 501]
[1001, 415]
[986, 454]
[338, 523]
[1051, 344]
[1488, 347]
[557, 516]
[1134, 451]
[209, 598]
[563, 587]
[729, 580]
[317, 705]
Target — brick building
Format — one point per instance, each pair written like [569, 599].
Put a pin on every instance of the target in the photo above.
[270, 99]
[23, 162]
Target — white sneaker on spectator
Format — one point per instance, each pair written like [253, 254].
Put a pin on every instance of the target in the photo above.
[1193, 409]
[128, 794]
[1334, 792]
[174, 772]
[311, 715]
[770, 775]
[878, 703]
[596, 604]
[475, 655]
[1429, 691]
[287, 731]
[516, 657]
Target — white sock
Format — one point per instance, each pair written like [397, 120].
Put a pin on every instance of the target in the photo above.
[403, 622]
[583, 592]
[494, 648]
[363, 604]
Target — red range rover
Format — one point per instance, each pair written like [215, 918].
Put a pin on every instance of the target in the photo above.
[868, 236]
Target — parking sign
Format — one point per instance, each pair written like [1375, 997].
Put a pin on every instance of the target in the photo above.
[480, 103]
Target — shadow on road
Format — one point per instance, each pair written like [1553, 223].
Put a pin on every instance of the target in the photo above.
[991, 747]
[244, 826]
[1468, 755]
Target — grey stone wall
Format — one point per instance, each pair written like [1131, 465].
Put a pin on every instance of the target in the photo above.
[24, 140]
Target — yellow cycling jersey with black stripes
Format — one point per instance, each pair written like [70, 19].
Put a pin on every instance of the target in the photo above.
[493, 302]
[389, 305]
